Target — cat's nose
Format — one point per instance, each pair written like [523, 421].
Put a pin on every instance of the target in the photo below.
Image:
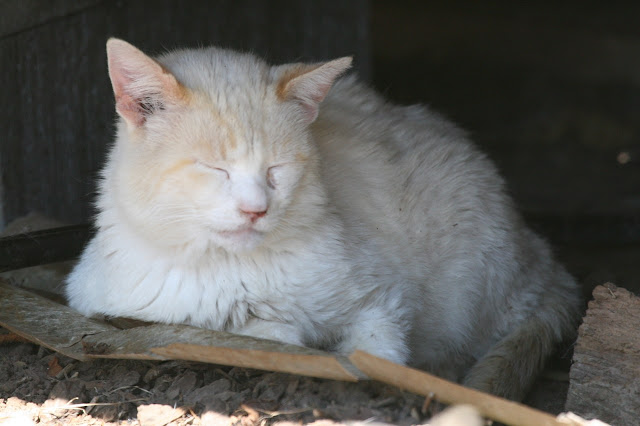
[253, 214]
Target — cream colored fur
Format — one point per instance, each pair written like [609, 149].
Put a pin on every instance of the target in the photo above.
[285, 203]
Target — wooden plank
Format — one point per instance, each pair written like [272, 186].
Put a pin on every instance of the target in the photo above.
[161, 341]
[422, 383]
[321, 365]
[605, 374]
[41, 247]
[45, 322]
[555, 116]
[64, 330]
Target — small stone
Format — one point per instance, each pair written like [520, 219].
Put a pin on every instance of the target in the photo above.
[130, 379]
[15, 402]
[162, 383]
[460, 415]
[67, 390]
[151, 375]
[226, 396]
[214, 418]
[86, 366]
[158, 415]
[292, 387]
[210, 392]
[122, 376]
[270, 388]
[106, 413]
[236, 399]
[23, 350]
[182, 385]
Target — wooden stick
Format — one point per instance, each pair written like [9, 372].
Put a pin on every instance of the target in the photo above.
[422, 383]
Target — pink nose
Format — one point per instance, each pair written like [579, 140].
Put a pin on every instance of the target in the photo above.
[254, 215]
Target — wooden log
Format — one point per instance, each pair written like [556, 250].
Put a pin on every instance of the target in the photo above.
[605, 375]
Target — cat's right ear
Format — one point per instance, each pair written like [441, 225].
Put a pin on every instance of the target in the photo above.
[140, 84]
[308, 84]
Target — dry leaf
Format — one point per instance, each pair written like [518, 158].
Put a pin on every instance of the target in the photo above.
[54, 367]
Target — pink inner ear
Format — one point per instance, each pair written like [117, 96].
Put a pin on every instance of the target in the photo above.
[321, 92]
[126, 104]
[310, 111]
[310, 102]
[140, 84]
[308, 85]
[130, 110]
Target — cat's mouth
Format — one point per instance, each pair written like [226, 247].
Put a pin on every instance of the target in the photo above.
[240, 234]
[241, 239]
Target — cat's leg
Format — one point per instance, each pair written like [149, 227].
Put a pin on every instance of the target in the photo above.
[512, 365]
[271, 330]
[374, 330]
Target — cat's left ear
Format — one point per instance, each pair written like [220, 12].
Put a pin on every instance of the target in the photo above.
[141, 85]
[309, 84]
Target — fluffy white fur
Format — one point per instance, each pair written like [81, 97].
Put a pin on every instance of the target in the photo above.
[238, 197]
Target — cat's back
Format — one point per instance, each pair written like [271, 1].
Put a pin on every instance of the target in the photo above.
[405, 170]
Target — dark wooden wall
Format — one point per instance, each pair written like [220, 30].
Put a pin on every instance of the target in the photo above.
[551, 90]
[57, 107]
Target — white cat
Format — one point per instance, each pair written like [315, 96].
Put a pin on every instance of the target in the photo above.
[263, 201]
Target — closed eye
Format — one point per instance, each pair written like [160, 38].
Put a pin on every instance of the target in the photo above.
[272, 176]
[218, 170]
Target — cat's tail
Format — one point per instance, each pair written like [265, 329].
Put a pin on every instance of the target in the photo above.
[512, 365]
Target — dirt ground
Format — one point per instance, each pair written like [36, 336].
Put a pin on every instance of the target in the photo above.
[38, 386]
[47, 388]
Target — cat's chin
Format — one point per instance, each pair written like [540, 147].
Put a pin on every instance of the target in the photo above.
[240, 240]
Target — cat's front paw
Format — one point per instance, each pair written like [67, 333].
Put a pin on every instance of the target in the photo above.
[378, 335]
[393, 354]
[271, 330]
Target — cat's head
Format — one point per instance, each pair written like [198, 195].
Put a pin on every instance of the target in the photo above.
[213, 146]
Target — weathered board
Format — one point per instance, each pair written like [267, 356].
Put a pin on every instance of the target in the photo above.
[42, 246]
[64, 330]
[162, 341]
[45, 322]
[605, 375]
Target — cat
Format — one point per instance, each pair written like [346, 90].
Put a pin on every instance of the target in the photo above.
[296, 204]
